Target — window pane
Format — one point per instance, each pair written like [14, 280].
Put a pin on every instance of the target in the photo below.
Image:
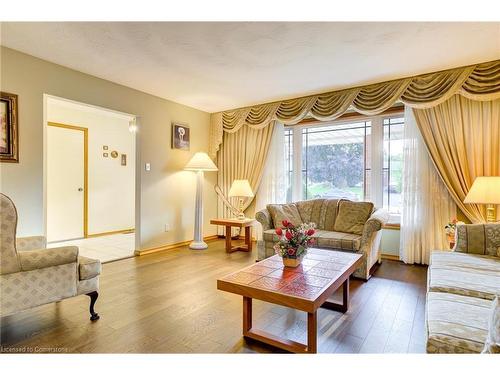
[334, 161]
[288, 163]
[393, 164]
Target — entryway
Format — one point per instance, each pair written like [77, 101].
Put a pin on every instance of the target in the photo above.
[90, 179]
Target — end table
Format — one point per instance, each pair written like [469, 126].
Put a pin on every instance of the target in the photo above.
[229, 223]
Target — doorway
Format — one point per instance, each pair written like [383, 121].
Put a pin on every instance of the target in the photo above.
[67, 181]
[90, 179]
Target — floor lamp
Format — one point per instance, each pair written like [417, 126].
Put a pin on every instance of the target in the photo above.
[199, 163]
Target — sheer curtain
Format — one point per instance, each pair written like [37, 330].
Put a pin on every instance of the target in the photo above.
[427, 205]
[272, 187]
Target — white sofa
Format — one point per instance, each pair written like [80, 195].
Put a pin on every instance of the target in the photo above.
[461, 286]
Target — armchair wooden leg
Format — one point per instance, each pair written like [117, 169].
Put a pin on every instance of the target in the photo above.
[93, 297]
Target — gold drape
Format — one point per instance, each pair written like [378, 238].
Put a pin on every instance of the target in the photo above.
[463, 139]
[478, 82]
[242, 156]
[240, 138]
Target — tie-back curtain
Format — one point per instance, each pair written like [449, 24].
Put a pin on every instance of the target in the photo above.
[242, 156]
[477, 82]
[463, 139]
[427, 206]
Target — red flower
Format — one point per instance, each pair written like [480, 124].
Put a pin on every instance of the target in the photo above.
[310, 232]
[288, 235]
[279, 231]
[291, 251]
[285, 223]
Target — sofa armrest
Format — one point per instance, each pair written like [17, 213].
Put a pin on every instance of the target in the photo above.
[43, 258]
[377, 220]
[31, 243]
[264, 218]
[375, 223]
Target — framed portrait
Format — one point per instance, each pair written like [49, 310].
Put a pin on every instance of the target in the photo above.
[180, 136]
[9, 136]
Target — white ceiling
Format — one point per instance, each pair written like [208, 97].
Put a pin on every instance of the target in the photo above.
[218, 66]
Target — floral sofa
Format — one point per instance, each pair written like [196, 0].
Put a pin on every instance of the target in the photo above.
[340, 225]
[461, 286]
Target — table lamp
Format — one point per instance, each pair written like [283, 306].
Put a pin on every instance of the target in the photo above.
[240, 189]
[200, 162]
[485, 190]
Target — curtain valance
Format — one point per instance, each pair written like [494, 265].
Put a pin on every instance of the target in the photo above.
[478, 82]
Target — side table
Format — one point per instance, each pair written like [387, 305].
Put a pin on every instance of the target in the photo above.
[230, 223]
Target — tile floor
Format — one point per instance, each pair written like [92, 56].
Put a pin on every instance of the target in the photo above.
[105, 248]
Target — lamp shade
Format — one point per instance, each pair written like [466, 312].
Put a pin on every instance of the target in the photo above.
[200, 162]
[240, 188]
[484, 190]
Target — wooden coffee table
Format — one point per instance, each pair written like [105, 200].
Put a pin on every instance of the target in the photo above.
[305, 288]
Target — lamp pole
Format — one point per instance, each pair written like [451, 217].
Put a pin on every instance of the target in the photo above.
[198, 243]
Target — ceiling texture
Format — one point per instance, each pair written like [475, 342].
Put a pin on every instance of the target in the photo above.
[220, 66]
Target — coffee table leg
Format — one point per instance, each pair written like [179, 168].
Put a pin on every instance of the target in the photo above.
[247, 314]
[228, 239]
[248, 238]
[312, 334]
[345, 300]
[345, 295]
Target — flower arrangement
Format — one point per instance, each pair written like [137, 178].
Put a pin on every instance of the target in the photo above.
[451, 227]
[294, 240]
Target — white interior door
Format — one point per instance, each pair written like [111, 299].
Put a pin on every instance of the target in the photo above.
[65, 183]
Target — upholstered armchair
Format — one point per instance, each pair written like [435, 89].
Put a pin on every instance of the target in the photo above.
[32, 275]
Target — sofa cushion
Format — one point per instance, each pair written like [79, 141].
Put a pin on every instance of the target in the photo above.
[328, 214]
[310, 210]
[456, 324]
[481, 239]
[338, 240]
[271, 236]
[492, 344]
[280, 212]
[473, 282]
[88, 268]
[352, 216]
[451, 259]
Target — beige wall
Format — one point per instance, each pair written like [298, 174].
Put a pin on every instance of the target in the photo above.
[166, 192]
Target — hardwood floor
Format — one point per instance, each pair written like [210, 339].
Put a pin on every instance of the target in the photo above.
[168, 303]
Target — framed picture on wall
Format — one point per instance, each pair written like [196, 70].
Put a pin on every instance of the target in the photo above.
[180, 136]
[9, 142]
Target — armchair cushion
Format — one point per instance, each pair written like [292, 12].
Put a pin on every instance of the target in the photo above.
[88, 268]
[352, 216]
[280, 212]
[36, 259]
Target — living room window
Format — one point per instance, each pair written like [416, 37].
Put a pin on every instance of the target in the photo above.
[333, 161]
[393, 164]
[357, 159]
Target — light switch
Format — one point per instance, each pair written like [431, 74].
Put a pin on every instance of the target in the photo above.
[147, 166]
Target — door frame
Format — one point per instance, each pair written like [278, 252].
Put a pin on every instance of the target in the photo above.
[85, 168]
